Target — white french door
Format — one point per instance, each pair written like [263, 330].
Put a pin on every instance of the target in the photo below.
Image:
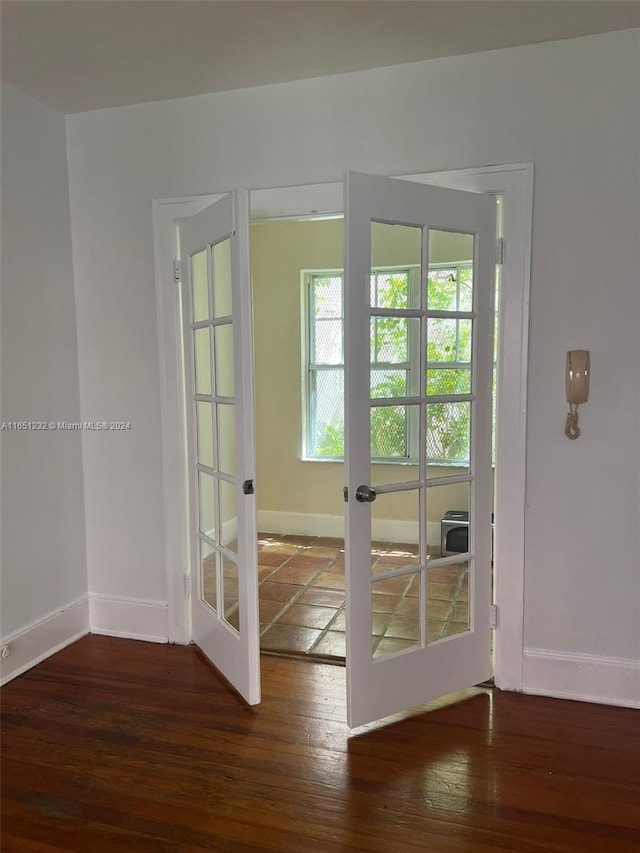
[220, 435]
[426, 401]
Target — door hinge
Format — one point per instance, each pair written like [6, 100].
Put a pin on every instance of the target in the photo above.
[187, 585]
[493, 615]
[500, 250]
[177, 270]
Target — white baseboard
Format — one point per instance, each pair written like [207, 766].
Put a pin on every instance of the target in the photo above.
[308, 524]
[586, 678]
[38, 641]
[300, 523]
[134, 618]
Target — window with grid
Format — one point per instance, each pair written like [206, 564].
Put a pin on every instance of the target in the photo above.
[395, 359]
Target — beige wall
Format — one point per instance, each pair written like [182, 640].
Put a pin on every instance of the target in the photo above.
[279, 251]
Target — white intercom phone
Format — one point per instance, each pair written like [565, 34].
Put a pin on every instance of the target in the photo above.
[577, 379]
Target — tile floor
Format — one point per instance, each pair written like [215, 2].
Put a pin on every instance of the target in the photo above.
[302, 597]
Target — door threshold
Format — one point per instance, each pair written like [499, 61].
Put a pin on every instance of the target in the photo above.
[311, 658]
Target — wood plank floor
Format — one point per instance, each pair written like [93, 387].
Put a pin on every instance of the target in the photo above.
[117, 745]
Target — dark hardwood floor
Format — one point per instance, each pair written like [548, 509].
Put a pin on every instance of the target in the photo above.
[117, 745]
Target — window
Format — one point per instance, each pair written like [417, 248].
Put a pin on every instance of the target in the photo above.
[395, 360]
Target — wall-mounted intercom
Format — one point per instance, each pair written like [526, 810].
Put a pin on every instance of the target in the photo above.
[577, 380]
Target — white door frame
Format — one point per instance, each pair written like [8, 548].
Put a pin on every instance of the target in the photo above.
[514, 183]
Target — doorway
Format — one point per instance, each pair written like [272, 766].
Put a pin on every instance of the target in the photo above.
[298, 341]
[515, 183]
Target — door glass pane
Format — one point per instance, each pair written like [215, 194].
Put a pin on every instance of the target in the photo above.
[395, 434]
[205, 433]
[390, 432]
[450, 286]
[395, 530]
[230, 590]
[206, 501]
[226, 438]
[447, 601]
[448, 438]
[448, 340]
[448, 519]
[202, 361]
[395, 246]
[208, 574]
[200, 286]
[222, 296]
[398, 629]
[395, 363]
[229, 515]
[223, 337]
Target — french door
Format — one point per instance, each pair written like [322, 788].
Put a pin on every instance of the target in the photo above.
[422, 398]
[220, 435]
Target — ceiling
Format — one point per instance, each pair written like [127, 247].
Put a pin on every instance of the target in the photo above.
[77, 55]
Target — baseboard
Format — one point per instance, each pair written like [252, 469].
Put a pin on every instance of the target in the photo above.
[134, 618]
[38, 641]
[310, 524]
[586, 678]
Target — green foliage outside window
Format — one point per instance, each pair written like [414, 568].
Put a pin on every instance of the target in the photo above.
[393, 367]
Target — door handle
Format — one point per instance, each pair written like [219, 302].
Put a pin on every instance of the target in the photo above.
[365, 494]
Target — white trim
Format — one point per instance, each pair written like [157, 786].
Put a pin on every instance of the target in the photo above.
[172, 406]
[134, 618]
[515, 184]
[43, 638]
[586, 678]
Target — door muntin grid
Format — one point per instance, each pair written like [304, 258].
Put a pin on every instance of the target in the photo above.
[441, 390]
[213, 405]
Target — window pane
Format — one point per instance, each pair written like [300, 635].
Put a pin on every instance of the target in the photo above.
[326, 296]
[448, 433]
[327, 413]
[199, 286]
[389, 339]
[222, 296]
[449, 381]
[327, 342]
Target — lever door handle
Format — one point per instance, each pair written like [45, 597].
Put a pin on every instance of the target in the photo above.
[365, 494]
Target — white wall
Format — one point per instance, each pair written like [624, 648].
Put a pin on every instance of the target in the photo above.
[571, 107]
[43, 541]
